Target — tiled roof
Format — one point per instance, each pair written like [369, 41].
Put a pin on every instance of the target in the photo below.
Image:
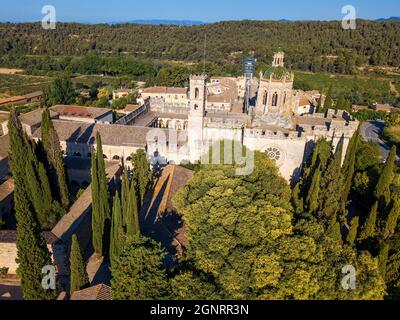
[34, 95]
[11, 99]
[34, 117]
[312, 121]
[80, 111]
[98, 292]
[165, 90]
[111, 134]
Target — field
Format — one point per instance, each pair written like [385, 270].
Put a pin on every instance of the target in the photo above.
[16, 84]
[370, 89]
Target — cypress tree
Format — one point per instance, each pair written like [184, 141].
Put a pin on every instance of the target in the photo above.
[132, 227]
[32, 252]
[391, 222]
[35, 193]
[100, 208]
[97, 227]
[51, 145]
[329, 201]
[117, 231]
[383, 259]
[352, 235]
[369, 228]
[142, 174]
[297, 200]
[334, 229]
[382, 190]
[104, 205]
[313, 193]
[79, 278]
[125, 197]
[328, 100]
[349, 168]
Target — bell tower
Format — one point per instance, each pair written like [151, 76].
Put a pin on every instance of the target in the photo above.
[197, 104]
[279, 58]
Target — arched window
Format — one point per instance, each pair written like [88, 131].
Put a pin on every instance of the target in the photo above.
[116, 158]
[168, 124]
[104, 156]
[275, 100]
[265, 99]
[196, 93]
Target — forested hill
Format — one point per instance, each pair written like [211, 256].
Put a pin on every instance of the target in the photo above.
[314, 46]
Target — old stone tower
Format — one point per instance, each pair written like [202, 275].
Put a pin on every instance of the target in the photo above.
[275, 94]
[197, 104]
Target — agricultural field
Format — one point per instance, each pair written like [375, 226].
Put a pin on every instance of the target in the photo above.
[342, 84]
[18, 84]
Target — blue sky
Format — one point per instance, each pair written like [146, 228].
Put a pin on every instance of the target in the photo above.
[94, 11]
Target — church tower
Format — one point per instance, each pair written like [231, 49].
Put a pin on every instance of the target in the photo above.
[275, 93]
[197, 104]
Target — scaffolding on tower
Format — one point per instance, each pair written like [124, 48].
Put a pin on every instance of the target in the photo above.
[249, 66]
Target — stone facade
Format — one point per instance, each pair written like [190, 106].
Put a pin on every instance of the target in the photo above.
[175, 125]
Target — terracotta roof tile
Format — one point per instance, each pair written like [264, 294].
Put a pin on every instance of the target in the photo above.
[98, 292]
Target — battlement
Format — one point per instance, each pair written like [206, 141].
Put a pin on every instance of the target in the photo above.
[202, 77]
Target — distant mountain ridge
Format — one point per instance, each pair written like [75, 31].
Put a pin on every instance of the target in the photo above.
[389, 19]
[165, 22]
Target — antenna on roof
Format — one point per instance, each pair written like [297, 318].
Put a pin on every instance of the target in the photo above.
[204, 57]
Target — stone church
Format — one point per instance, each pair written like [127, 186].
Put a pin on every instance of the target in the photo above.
[176, 125]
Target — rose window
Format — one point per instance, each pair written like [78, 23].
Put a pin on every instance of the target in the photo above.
[274, 153]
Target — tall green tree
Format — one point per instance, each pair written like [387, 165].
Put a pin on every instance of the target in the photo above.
[314, 191]
[52, 148]
[352, 235]
[132, 223]
[348, 169]
[117, 229]
[97, 218]
[392, 219]
[101, 223]
[141, 173]
[382, 190]
[331, 184]
[60, 91]
[32, 252]
[125, 196]
[138, 272]
[79, 278]
[369, 228]
[328, 104]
